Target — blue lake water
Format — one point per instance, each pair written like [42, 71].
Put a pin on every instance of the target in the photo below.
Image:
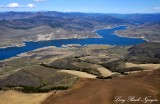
[108, 38]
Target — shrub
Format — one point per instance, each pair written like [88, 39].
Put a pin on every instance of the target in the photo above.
[101, 77]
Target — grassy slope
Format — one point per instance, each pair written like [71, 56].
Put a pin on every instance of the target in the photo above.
[36, 76]
[14, 97]
[27, 69]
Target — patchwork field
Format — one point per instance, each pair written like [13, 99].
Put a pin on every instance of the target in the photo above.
[14, 97]
[91, 74]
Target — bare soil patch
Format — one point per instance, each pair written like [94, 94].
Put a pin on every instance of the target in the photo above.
[96, 91]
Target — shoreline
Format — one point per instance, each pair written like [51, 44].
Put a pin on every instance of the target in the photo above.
[143, 38]
[131, 37]
[111, 27]
[17, 45]
[98, 36]
[136, 38]
[94, 31]
[24, 42]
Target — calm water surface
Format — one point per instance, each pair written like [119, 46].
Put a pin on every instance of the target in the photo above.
[108, 38]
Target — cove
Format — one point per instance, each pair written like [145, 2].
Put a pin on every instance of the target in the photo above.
[109, 38]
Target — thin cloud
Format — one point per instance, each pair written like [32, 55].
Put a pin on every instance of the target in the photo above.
[156, 8]
[2, 6]
[68, 10]
[39, 0]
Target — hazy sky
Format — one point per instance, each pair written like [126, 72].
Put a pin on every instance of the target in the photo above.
[98, 6]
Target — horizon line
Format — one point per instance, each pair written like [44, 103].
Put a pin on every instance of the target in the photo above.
[83, 12]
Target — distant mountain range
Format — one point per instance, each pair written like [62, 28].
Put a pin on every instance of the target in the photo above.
[138, 18]
[16, 27]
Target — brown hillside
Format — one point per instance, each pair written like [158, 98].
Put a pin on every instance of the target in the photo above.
[94, 91]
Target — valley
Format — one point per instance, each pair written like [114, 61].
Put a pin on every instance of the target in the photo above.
[51, 26]
[78, 58]
[92, 68]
